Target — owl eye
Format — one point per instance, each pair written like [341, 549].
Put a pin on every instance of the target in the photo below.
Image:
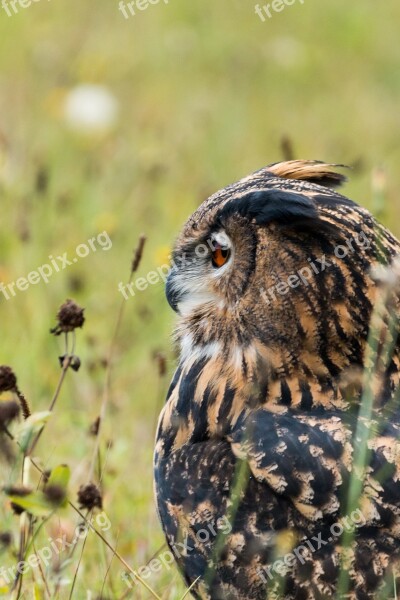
[220, 256]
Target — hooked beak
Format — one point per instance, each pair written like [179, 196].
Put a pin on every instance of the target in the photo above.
[173, 295]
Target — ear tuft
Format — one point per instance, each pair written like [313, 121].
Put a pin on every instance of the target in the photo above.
[309, 170]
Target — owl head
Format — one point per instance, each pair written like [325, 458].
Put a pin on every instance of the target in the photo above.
[276, 269]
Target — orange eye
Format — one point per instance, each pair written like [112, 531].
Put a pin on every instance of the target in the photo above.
[220, 256]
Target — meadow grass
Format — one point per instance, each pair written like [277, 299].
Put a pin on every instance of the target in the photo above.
[206, 93]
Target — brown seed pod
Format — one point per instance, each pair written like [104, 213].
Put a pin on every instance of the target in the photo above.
[89, 496]
[8, 380]
[70, 316]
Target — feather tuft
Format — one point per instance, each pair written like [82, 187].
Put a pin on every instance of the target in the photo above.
[313, 171]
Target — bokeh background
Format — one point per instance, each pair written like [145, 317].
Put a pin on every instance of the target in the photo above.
[188, 97]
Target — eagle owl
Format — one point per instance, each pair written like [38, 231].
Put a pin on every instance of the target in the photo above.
[277, 460]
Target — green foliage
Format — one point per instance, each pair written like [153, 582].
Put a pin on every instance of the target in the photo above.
[206, 91]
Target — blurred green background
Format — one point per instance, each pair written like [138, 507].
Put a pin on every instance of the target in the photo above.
[201, 93]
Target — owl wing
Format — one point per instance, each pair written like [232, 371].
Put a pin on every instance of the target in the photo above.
[308, 458]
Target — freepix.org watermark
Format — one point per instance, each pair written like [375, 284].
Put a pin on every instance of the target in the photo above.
[131, 9]
[14, 4]
[304, 275]
[276, 6]
[55, 548]
[161, 273]
[307, 547]
[55, 265]
[177, 549]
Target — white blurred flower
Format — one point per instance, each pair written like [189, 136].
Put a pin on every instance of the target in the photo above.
[388, 276]
[285, 51]
[90, 108]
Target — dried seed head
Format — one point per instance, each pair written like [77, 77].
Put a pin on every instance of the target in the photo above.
[95, 426]
[287, 148]
[46, 475]
[89, 496]
[7, 450]
[26, 411]
[70, 316]
[42, 179]
[61, 359]
[8, 412]
[55, 493]
[8, 380]
[161, 361]
[75, 363]
[138, 254]
[6, 539]
[17, 510]
[19, 491]
[82, 526]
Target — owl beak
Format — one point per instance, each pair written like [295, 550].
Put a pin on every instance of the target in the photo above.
[173, 295]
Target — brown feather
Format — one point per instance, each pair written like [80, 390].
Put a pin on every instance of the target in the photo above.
[313, 171]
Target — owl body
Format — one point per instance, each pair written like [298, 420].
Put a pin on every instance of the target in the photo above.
[287, 326]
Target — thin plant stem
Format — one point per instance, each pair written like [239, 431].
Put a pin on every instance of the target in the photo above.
[66, 364]
[41, 571]
[77, 567]
[108, 571]
[363, 433]
[241, 476]
[190, 588]
[105, 541]
[107, 383]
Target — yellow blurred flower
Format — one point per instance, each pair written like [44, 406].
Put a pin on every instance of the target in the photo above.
[4, 275]
[106, 221]
[162, 255]
[285, 542]
[54, 102]
[93, 68]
